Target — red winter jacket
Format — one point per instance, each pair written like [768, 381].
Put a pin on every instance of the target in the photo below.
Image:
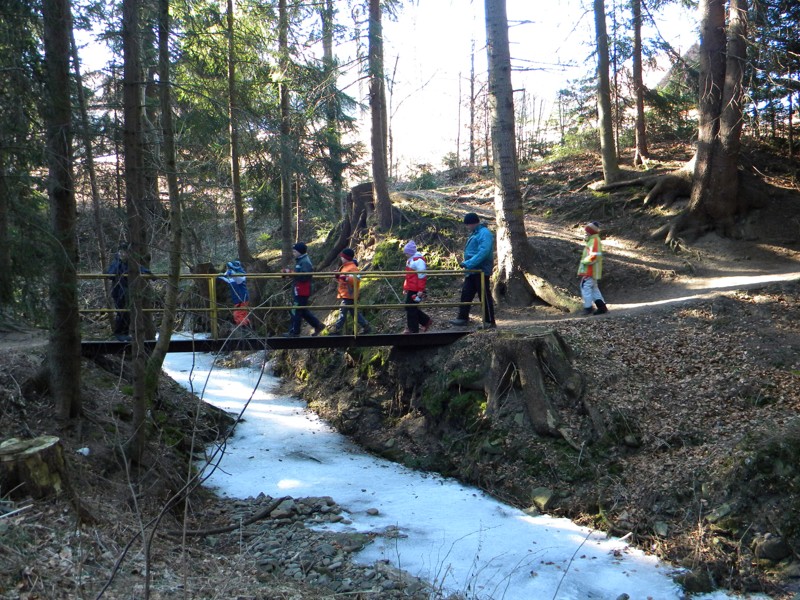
[416, 279]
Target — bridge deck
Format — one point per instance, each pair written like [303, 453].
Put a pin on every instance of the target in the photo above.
[441, 338]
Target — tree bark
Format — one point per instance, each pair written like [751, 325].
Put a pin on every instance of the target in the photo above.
[64, 351]
[233, 133]
[333, 134]
[607, 147]
[135, 199]
[715, 199]
[156, 359]
[6, 285]
[377, 104]
[641, 154]
[286, 179]
[513, 250]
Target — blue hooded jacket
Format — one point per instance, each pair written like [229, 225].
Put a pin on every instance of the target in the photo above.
[479, 251]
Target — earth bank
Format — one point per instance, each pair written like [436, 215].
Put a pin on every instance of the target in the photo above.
[679, 426]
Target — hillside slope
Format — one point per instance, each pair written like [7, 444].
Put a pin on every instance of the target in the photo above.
[685, 433]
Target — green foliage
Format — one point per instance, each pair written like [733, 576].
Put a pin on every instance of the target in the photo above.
[422, 178]
[445, 398]
[369, 361]
[388, 255]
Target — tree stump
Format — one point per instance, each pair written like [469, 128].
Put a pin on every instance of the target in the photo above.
[524, 363]
[33, 467]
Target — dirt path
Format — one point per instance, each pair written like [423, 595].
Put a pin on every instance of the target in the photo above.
[23, 339]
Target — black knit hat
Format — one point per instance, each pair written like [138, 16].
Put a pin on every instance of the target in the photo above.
[300, 247]
[348, 253]
[471, 219]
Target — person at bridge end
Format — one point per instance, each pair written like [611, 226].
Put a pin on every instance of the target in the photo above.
[301, 290]
[590, 270]
[119, 292]
[347, 284]
[234, 276]
[414, 289]
[478, 254]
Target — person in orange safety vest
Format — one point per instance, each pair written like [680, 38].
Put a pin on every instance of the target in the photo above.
[590, 270]
[347, 291]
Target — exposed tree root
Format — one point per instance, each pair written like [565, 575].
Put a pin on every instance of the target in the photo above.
[550, 294]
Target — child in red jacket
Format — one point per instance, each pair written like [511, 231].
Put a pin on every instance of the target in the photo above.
[414, 289]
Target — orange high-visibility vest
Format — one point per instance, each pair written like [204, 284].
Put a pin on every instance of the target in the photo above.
[591, 264]
[346, 284]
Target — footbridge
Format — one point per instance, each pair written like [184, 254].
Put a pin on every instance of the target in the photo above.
[205, 308]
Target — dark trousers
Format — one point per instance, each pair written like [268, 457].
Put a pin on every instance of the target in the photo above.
[471, 288]
[122, 320]
[414, 316]
[299, 313]
[346, 309]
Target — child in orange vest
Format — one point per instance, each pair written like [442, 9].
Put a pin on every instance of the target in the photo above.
[347, 290]
[590, 270]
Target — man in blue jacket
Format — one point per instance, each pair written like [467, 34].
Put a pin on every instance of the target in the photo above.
[478, 254]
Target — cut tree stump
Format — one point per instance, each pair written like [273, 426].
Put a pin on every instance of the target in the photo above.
[522, 364]
[33, 467]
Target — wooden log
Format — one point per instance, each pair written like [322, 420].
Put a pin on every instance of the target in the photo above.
[33, 467]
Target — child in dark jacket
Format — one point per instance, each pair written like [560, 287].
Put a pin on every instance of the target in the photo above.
[301, 290]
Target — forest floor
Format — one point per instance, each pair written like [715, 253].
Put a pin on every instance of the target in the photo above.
[699, 354]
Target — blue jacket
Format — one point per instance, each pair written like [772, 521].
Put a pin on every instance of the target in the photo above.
[479, 251]
[237, 281]
[119, 283]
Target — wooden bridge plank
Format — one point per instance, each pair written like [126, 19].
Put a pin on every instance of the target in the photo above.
[91, 348]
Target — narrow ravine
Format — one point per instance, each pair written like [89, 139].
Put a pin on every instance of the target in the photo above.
[452, 535]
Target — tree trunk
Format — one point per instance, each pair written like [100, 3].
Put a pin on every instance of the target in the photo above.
[358, 207]
[333, 134]
[6, 284]
[135, 198]
[607, 147]
[89, 151]
[472, 107]
[377, 104]
[156, 359]
[286, 179]
[715, 197]
[641, 154]
[64, 351]
[513, 250]
[233, 130]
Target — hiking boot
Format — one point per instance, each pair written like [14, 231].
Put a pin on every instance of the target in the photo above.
[290, 334]
[588, 311]
[601, 308]
[318, 330]
[407, 331]
[489, 325]
[425, 328]
[459, 322]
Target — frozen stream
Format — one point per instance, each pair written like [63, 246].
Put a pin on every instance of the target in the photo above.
[452, 535]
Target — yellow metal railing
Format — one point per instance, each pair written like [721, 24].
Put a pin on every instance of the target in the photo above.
[212, 307]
